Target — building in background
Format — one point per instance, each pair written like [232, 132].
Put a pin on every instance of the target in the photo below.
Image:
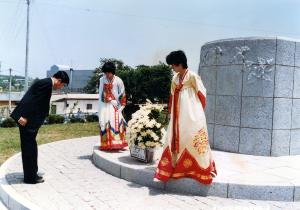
[4, 102]
[78, 78]
[64, 104]
[17, 83]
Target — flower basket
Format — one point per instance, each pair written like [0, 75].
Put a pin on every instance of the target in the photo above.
[146, 129]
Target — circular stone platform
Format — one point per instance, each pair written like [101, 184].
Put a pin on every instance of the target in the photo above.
[73, 182]
[239, 176]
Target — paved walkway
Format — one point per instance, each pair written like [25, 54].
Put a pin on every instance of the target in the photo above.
[73, 182]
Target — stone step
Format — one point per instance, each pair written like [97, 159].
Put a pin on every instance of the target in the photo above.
[239, 176]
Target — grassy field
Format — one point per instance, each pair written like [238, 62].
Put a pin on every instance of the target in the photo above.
[10, 140]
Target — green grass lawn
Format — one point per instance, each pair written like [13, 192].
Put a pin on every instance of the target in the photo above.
[10, 140]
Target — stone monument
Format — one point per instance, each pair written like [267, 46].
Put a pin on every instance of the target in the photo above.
[253, 95]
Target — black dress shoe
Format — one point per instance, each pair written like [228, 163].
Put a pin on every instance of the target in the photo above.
[35, 181]
[39, 177]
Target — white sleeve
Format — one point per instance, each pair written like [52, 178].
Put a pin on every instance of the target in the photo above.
[101, 89]
[122, 88]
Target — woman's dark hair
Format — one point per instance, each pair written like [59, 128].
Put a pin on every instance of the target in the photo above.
[176, 58]
[109, 67]
[63, 76]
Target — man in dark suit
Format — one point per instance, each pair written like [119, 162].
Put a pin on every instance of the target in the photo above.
[30, 115]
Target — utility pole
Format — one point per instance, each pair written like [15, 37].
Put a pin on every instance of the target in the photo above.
[27, 47]
[9, 94]
[71, 79]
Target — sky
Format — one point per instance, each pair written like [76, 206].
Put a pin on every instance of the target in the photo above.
[78, 33]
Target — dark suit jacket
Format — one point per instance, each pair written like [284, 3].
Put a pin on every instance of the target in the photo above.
[35, 104]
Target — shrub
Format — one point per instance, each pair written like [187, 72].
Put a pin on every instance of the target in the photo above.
[55, 119]
[76, 120]
[92, 118]
[8, 123]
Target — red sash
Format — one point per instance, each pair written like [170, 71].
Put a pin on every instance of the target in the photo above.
[175, 136]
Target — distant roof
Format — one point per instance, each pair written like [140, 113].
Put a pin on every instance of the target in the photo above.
[71, 96]
[57, 67]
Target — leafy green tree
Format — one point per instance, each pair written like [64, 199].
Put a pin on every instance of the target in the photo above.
[93, 84]
[141, 83]
[148, 82]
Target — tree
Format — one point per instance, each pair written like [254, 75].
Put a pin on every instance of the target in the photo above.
[148, 82]
[93, 84]
[141, 83]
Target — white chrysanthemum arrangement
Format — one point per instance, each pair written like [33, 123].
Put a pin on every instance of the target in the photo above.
[144, 128]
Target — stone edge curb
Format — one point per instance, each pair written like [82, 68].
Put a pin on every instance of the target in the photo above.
[144, 177]
[10, 198]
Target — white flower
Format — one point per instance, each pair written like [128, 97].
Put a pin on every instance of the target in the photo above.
[154, 136]
[141, 121]
[148, 125]
[133, 137]
[138, 129]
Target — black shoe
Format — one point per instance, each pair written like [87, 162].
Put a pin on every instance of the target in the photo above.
[39, 177]
[35, 181]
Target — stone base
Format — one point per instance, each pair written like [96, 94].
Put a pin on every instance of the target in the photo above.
[239, 176]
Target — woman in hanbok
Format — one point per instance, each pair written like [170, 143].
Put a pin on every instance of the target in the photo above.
[112, 100]
[186, 152]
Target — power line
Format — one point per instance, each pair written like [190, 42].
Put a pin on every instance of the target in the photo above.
[14, 35]
[21, 25]
[13, 71]
[189, 21]
[44, 34]
[7, 2]
[9, 26]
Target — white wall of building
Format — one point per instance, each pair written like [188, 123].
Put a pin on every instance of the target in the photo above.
[71, 106]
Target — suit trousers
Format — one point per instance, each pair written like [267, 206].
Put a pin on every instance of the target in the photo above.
[29, 152]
